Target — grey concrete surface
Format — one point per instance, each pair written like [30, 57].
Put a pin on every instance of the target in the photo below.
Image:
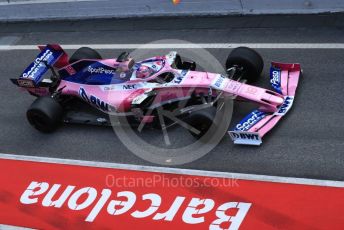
[202, 24]
[291, 6]
[308, 143]
[37, 10]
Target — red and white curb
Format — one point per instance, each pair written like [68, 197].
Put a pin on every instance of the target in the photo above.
[48, 193]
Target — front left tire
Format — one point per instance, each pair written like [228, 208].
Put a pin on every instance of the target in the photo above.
[201, 120]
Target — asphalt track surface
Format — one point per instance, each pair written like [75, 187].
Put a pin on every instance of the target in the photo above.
[308, 143]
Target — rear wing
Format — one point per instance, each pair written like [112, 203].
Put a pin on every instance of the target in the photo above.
[49, 57]
[284, 78]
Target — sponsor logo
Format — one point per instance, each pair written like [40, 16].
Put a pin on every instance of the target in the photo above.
[95, 101]
[250, 120]
[122, 87]
[25, 83]
[180, 78]
[219, 82]
[37, 64]
[188, 210]
[288, 102]
[109, 88]
[247, 138]
[129, 86]
[275, 79]
[101, 70]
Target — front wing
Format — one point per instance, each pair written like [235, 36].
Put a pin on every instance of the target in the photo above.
[284, 78]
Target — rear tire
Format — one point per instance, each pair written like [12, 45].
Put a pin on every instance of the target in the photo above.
[45, 114]
[84, 53]
[249, 59]
[202, 120]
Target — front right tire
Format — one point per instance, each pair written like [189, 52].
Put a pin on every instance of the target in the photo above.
[248, 60]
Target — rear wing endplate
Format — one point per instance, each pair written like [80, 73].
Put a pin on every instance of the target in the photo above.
[49, 57]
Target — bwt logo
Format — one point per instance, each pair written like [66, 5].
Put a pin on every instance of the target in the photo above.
[98, 103]
[286, 105]
[246, 136]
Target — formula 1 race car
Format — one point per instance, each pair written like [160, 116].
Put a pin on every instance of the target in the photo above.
[123, 87]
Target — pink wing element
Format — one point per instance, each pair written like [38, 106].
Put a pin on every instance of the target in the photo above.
[284, 78]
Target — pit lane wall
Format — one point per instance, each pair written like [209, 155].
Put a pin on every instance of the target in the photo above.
[37, 10]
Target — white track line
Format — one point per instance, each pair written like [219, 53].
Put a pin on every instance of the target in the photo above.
[189, 46]
[254, 177]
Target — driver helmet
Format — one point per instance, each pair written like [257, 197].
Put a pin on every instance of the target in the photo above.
[144, 72]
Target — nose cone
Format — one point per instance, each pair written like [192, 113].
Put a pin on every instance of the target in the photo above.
[276, 100]
[272, 99]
